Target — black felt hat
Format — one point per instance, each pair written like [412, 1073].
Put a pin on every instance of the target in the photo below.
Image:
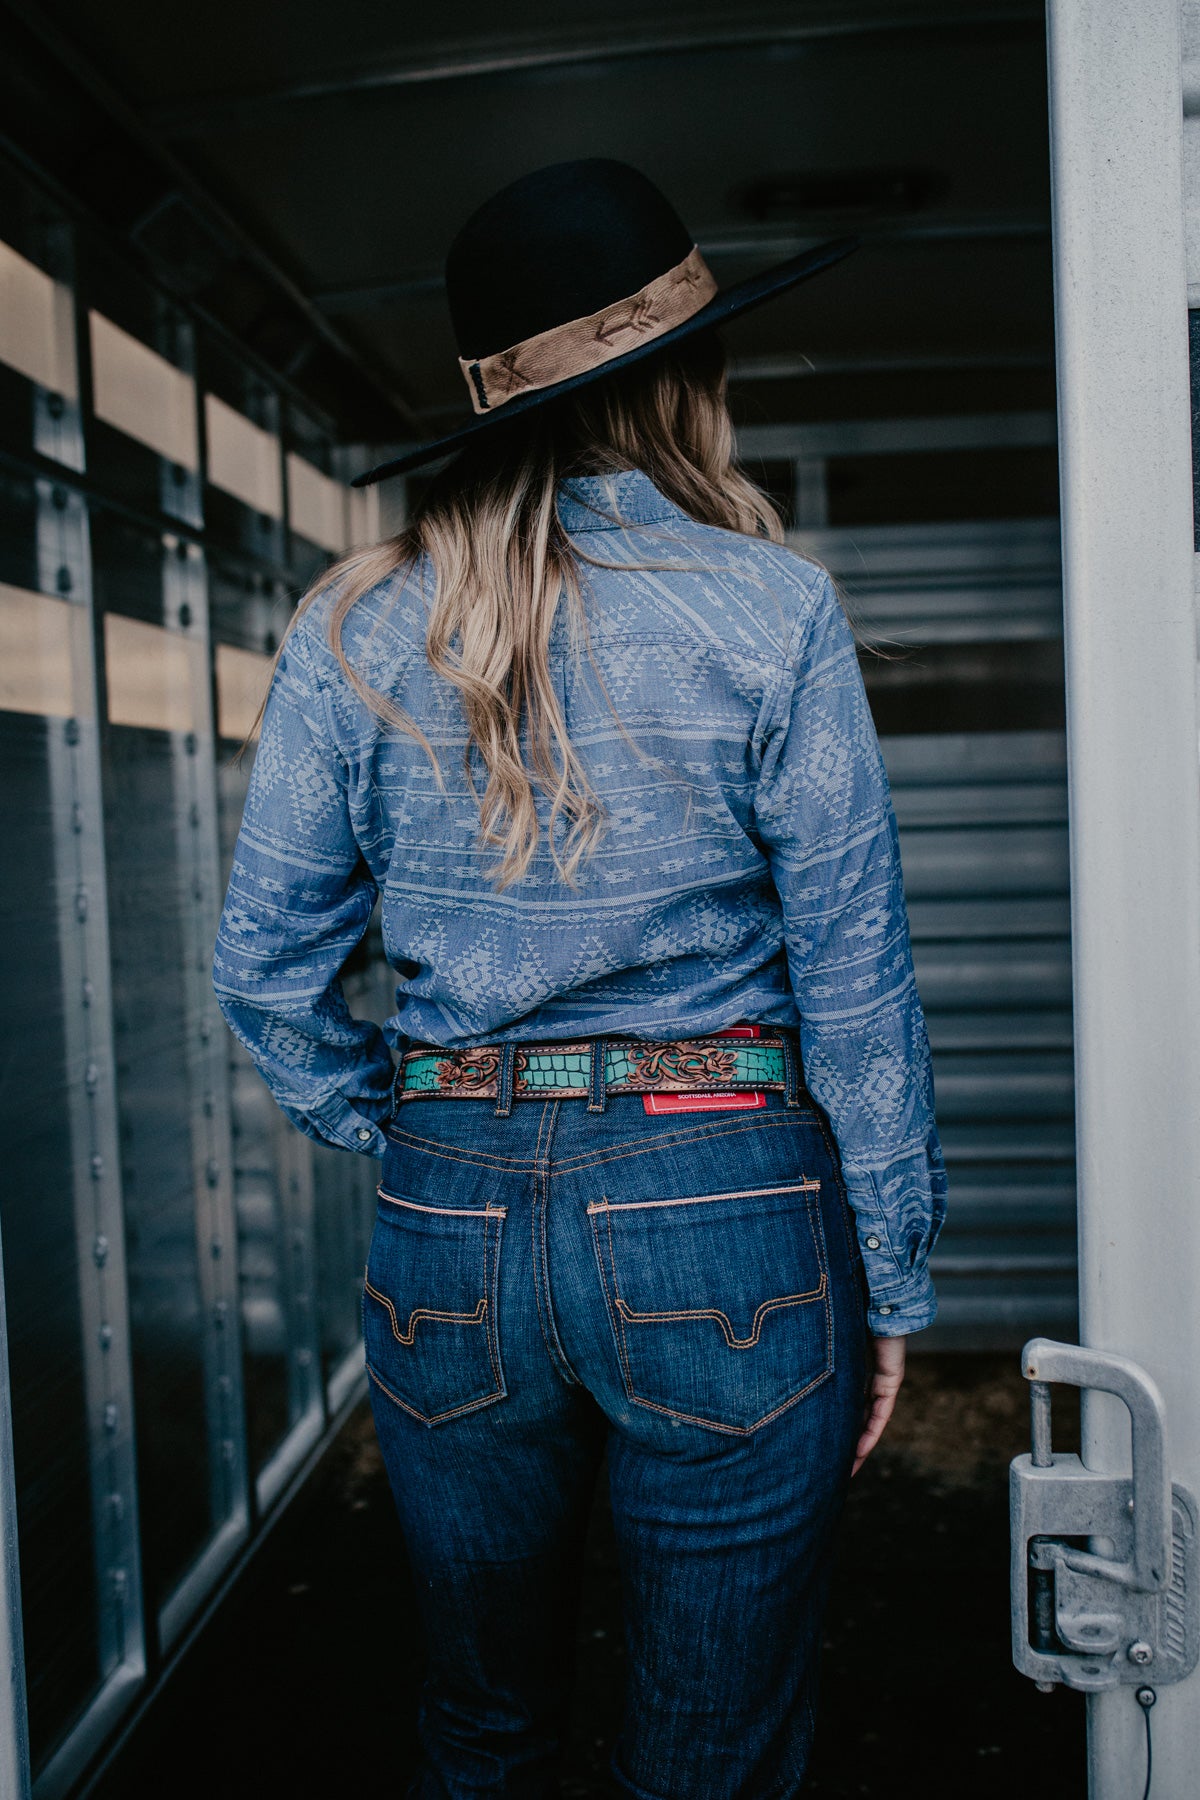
[573, 272]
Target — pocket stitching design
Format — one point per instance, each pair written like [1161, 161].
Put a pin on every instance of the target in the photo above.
[723, 1319]
[617, 1317]
[425, 1312]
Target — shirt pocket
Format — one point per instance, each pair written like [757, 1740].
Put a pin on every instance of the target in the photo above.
[719, 1303]
[429, 1307]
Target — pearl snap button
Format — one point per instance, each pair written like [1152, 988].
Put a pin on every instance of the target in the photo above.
[885, 1309]
[872, 1243]
[363, 1135]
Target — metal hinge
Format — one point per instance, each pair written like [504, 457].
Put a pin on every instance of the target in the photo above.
[1105, 1569]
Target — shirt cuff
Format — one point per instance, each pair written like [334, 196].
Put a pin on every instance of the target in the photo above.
[904, 1307]
[337, 1121]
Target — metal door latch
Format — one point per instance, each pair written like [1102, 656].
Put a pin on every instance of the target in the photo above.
[1105, 1569]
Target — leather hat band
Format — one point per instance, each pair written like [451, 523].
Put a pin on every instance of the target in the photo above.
[584, 344]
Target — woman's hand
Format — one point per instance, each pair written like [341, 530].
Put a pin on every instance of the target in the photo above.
[887, 1377]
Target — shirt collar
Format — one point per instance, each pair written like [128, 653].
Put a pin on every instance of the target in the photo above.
[612, 502]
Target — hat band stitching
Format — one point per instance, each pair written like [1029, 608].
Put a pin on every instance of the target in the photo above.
[581, 345]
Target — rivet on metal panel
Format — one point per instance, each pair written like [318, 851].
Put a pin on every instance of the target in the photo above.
[112, 1417]
[100, 1251]
[119, 1581]
[87, 993]
[212, 1171]
[81, 904]
[91, 1077]
[97, 1166]
[105, 1335]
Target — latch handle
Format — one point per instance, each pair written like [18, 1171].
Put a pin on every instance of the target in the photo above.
[1043, 1360]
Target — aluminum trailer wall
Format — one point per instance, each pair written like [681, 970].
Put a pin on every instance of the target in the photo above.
[181, 1268]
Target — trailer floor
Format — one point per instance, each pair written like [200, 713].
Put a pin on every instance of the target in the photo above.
[304, 1684]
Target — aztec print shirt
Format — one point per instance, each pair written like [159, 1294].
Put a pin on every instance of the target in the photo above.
[749, 870]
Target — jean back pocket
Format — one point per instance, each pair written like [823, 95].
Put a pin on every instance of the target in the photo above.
[719, 1303]
[429, 1307]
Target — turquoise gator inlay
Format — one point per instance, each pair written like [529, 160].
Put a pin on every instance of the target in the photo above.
[420, 1075]
[566, 1070]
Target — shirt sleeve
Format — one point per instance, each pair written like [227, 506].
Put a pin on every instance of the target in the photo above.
[299, 901]
[825, 816]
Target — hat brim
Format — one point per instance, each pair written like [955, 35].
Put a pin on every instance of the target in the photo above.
[724, 305]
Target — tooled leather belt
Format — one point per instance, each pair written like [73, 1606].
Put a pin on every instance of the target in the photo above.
[632, 1066]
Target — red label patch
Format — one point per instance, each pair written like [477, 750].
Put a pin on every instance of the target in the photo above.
[712, 1102]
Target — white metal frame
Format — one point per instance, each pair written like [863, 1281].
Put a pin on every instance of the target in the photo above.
[1130, 631]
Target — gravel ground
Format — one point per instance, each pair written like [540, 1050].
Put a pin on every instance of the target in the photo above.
[304, 1683]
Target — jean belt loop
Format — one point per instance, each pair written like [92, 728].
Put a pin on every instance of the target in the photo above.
[504, 1084]
[793, 1082]
[598, 1076]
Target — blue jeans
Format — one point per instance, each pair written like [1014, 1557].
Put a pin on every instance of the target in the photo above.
[685, 1291]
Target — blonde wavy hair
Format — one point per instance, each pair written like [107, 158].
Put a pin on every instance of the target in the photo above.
[488, 534]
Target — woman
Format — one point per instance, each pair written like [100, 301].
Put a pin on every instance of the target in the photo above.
[599, 745]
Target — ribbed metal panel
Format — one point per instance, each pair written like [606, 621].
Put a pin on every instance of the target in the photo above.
[951, 583]
[983, 831]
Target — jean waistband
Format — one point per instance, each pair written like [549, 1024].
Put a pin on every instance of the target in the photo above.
[592, 1068]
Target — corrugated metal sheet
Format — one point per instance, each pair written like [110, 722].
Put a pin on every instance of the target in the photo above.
[983, 828]
[955, 583]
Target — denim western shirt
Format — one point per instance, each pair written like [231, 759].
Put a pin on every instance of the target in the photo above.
[749, 868]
